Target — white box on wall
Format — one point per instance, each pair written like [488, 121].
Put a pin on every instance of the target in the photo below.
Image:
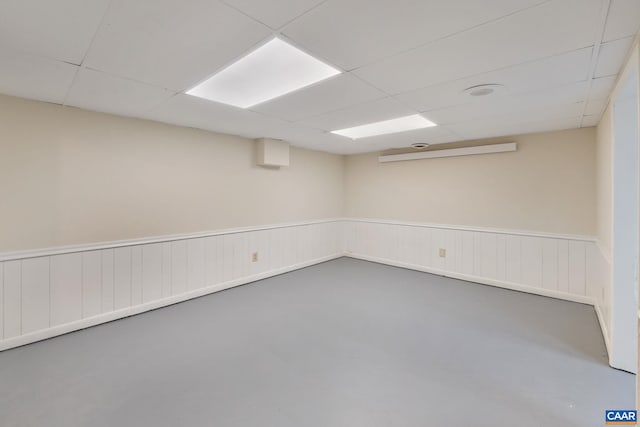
[272, 152]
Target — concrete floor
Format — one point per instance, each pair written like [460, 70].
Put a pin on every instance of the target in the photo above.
[344, 343]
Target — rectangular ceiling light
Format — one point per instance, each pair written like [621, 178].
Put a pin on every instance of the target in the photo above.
[274, 69]
[400, 124]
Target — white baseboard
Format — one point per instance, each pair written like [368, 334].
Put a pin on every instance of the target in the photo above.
[482, 280]
[603, 327]
[152, 305]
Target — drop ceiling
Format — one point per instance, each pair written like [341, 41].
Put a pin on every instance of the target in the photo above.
[558, 60]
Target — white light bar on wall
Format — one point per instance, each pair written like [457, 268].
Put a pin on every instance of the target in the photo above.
[274, 69]
[467, 151]
[400, 124]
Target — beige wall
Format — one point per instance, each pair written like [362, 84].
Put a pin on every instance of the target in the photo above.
[69, 176]
[604, 182]
[548, 185]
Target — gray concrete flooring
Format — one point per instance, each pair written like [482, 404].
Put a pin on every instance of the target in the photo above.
[345, 343]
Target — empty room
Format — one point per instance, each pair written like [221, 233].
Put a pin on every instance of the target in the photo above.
[319, 213]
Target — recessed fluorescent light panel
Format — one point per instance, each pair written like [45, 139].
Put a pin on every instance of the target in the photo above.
[274, 69]
[401, 124]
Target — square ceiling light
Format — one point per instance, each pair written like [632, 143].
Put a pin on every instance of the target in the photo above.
[274, 69]
[400, 124]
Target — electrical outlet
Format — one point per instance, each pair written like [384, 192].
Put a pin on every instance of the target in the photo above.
[254, 257]
[442, 252]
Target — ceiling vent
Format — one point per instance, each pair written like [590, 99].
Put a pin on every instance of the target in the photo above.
[485, 90]
[419, 145]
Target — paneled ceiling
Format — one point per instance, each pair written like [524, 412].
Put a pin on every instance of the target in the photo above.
[558, 60]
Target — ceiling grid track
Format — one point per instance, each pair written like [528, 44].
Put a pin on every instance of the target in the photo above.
[595, 55]
[81, 65]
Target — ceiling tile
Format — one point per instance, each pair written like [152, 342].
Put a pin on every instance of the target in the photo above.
[61, 29]
[190, 111]
[595, 107]
[170, 43]
[612, 56]
[485, 108]
[356, 32]
[602, 87]
[34, 77]
[97, 91]
[328, 95]
[549, 72]
[368, 112]
[550, 29]
[274, 13]
[569, 117]
[493, 129]
[623, 19]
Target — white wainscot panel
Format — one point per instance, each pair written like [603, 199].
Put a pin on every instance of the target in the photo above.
[178, 267]
[35, 294]
[91, 283]
[362, 234]
[424, 246]
[166, 269]
[240, 256]
[563, 266]
[350, 237]
[488, 254]
[291, 246]
[577, 268]
[276, 249]
[227, 256]
[465, 252]
[46, 295]
[210, 261]
[152, 272]
[219, 267]
[501, 257]
[595, 279]
[392, 241]
[108, 271]
[66, 288]
[539, 263]
[550, 263]
[513, 272]
[452, 250]
[59, 290]
[532, 261]
[122, 278]
[1, 300]
[12, 299]
[306, 242]
[136, 275]
[195, 264]
[254, 248]
[438, 241]
[410, 246]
